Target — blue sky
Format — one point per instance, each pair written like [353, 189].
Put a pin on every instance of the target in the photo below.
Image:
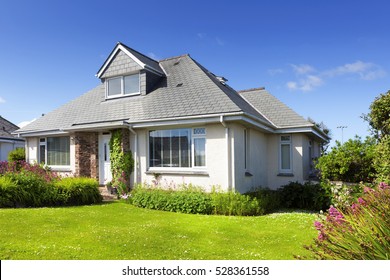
[327, 60]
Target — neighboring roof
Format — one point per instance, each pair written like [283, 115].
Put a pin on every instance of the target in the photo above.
[278, 113]
[6, 128]
[186, 90]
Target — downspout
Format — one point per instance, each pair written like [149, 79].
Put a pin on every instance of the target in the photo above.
[135, 154]
[228, 163]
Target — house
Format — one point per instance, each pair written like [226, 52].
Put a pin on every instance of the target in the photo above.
[8, 142]
[182, 123]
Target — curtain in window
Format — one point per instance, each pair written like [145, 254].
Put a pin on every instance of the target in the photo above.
[58, 150]
[285, 153]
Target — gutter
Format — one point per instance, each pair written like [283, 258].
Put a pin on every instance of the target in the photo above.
[229, 161]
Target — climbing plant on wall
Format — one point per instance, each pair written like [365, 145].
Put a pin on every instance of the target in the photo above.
[122, 163]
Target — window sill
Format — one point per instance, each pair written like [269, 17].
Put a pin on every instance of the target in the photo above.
[177, 172]
[60, 168]
[285, 175]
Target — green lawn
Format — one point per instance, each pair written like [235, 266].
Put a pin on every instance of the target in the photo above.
[121, 231]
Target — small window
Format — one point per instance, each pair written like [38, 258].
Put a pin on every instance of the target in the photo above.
[123, 86]
[285, 159]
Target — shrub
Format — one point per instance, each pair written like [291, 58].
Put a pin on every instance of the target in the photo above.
[19, 154]
[269, 200]
[235, 204]
[307, 196]
[9, 193]
[25, 185]
[382, 159]
[191, 200]
[78, 191]
[342, 195]
[32, 190]
[349, 162]
[362, 231]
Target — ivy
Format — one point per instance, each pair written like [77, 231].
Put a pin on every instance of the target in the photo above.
[122, 163]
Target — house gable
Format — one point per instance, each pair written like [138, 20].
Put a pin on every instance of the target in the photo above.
[120, 64]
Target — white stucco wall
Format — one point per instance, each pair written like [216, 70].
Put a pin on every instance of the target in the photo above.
[32, 149]
[214, 174]
[255, 174]
[275, 180]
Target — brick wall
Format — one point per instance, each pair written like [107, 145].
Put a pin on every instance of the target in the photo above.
[87, 154]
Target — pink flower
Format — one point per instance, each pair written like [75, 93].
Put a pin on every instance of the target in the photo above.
[318, 225]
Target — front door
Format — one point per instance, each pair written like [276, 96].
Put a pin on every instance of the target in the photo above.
[105, 175]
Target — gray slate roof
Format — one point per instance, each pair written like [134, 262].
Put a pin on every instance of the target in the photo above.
[6, 128]
[201, 93]
[278, 113]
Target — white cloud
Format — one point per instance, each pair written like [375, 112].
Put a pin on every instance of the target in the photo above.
[365, 70]
[2, 100]
[24, 123]
[309, 83]
[302, 69]
[274, 72]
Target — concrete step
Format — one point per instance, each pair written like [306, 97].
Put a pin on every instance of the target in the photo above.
[106, 194]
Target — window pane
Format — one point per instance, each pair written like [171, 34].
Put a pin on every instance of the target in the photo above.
[175, 148]
[114, 86]
[42, 154]
[200, 151]
[155, 148]
[285, 150]
[58, 151]
[185, 148]
[131, 84]
[166, 148]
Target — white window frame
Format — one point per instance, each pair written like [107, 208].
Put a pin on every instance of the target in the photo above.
[281, 143]
[122, 94]
[198, 136]
[192, 150]
[44, 143]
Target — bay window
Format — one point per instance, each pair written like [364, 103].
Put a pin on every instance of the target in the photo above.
[177, 148]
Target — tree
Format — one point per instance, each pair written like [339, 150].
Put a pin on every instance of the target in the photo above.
[349, 162]
[382, 159]
[379, 115]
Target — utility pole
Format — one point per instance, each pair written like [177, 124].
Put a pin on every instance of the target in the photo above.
[342, 132]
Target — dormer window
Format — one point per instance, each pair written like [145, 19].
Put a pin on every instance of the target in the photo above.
[123, 86]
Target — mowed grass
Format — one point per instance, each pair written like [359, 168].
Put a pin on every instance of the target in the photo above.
[120, 231]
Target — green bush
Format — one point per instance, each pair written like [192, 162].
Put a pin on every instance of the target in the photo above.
[361, 232]
[9, 193]
[190, 201]
[235, 204]
[78, 191]
[342, 195]
[307, 196]
[31, 190]
[26, 185]
[269, 200]
[351, 161]
[19, 154]
[193, 200]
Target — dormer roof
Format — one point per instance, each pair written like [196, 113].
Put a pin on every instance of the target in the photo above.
[143, 61]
